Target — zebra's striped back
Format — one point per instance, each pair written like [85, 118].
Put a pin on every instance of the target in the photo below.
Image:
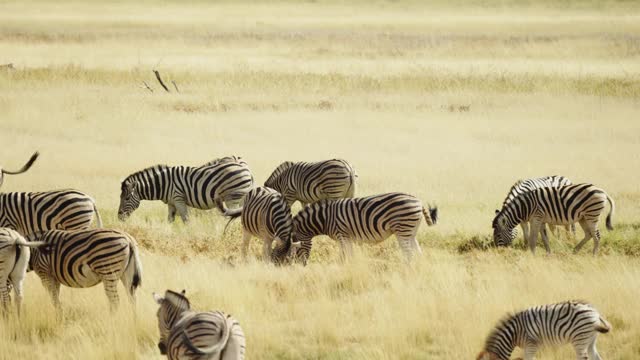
[523, 186]
[571, 322]
[368, 219]
[30, 213]
[85, 258]
[311, 182]
[265, 214]
[186, 334]
[202, 187]
[226, 159]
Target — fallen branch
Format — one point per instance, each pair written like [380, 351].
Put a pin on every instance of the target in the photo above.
[146, 86]
[175, 86]
[160, 80]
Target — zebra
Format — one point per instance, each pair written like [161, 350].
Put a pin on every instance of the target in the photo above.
[522, 186]
[26, 167]
[226, 159]
[14, 259]
[562, 205]
[266, 215]
[85, 258]
[311, 182]
[32, 212]
[181, 187]
[368, 219]
[187, 334]
[572, 322]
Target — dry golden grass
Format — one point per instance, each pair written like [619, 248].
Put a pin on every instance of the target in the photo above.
[451, 102]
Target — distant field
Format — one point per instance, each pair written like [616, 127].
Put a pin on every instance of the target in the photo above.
[451, 101]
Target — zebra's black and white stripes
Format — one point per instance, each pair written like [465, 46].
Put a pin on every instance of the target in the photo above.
[582, 203]
[85, 258]
[523, 186]
[369, 219]
[266, 215]
[186, 334]
[26, 167]
[181, 187]
[311, 182]
[573, 322]
[14, 259]
[35, 212]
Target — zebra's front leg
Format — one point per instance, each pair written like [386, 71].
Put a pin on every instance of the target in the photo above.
[183, 211]
[545, 239]
[530, 350]
[525, 230]
[533, 235]
[172, 213]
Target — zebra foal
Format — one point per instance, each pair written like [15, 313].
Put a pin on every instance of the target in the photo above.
[370, 219]
[85, 258]
[564, 205]
[523, 186]
[181, 187]
[311, 182]
[14, 259]
[186, 334]
[34, 212]
[573, 322]
[266, 215]
[26, 167]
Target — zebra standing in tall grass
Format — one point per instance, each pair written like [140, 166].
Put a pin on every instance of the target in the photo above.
[26, 167]
[35, 212]
[311, 182]
[573, 322]
[14, 259]
[186, 334]
[562, 205]
[523, 186]
[181, 187]
[85, 258]
[369, 219]
[266, 215]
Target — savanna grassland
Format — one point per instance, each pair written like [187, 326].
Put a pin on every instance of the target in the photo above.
[450, 101]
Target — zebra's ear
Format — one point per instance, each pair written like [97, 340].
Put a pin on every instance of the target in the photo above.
[159, 299]
[183, 291]
[497, 211]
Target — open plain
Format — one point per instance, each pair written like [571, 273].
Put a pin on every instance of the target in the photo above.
[450, 101]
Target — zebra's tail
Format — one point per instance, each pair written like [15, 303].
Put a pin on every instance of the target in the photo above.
[232, 214]
[613, 206]
[134, 268]
[353, 177]
[20, 241]
[25, 167]
[430, 216]
[98, 218]
[603, 326]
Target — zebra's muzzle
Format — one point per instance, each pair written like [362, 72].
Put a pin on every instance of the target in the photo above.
[163, 348]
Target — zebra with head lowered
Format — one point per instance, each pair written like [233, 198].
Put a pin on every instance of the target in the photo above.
[181, 187]
[370, 219]
[14, 259]
[564, 205]
[85, 258]
[573, 322]
[311, 182]
[266, 215]
[29, 213]
[186, 334]
[523, 186]
[26, 167]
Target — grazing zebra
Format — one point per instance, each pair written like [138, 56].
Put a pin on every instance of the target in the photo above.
[186, 334]
[369, 219]
[14, 259]
[85, 258]
[311, 182]
[29, 213]
[562, 205]
[573, 322]
[266, 215]
[523, 186]
[181, 187]
[26, 167]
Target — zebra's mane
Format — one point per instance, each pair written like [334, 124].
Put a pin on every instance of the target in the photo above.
[158, 167]
[505, 320]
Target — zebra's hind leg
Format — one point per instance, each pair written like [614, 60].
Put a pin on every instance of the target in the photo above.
[183, 211]
[596, 241]
[587, 236]
[545, 238]
[266, 249]
[5, 297]
[53, 288]
[346, 249]
[246, 238]
[593, 352]
[17, 280]
[409, 245]
[172, 213]
[111, 289]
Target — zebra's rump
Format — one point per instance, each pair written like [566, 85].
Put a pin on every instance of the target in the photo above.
[265, 214]
[225, 181]
[207, 335]
[568, 204]
[83, 258]
[59, 209]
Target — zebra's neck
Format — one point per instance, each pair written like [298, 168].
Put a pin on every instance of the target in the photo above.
[155, 183]
[504, 338]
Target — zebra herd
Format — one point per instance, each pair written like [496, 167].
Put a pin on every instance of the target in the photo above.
[48, 232]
